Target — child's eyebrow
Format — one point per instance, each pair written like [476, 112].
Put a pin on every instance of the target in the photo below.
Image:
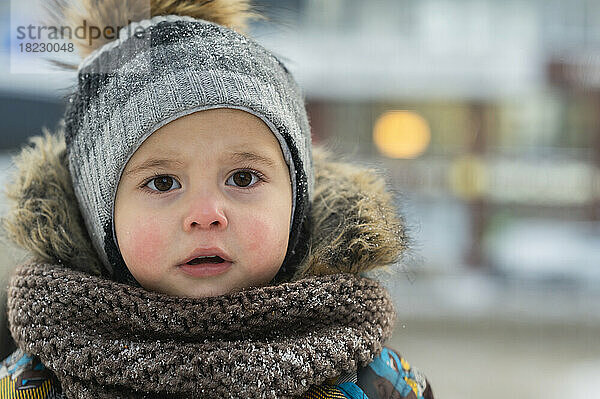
[153, 163]
[252, 157]
[237, 156]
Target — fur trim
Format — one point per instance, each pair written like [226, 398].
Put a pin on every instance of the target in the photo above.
[234, 14]
[44, 218]
[355, 225]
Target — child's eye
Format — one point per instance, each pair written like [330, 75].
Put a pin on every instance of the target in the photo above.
[162, 183]
[244, 178]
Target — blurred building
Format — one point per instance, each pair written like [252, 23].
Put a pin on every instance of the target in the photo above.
[509, 91]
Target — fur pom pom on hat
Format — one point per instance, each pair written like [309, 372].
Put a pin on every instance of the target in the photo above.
[234, 14]
[179, 60]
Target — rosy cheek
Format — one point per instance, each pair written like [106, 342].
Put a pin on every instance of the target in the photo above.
[265, 237]
[144, 244]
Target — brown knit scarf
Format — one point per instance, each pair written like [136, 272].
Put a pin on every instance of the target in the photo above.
[105, 339]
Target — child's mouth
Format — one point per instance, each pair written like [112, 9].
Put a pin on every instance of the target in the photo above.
[206, 266]
[206, 259]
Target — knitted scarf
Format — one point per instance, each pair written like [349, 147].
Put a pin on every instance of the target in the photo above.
[105, 339]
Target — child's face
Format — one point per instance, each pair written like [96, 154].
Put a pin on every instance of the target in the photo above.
[205, 198]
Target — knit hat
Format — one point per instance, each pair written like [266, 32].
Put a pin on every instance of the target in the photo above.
[160, 69]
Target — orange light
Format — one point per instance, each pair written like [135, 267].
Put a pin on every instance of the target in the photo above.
[401, 134]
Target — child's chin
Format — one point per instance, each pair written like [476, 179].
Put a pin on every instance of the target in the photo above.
[200, 292]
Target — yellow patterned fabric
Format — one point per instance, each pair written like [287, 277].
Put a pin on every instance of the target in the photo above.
[8, 390]
[24, 377]
[324, 392]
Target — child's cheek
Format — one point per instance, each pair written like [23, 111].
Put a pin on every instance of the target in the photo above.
[145, 243]
[265, 237]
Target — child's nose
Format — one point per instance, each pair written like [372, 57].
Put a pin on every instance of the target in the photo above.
[205, 213]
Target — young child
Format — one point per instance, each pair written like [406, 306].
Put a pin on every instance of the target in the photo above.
[186, 240]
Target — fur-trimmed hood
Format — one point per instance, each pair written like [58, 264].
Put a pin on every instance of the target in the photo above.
[355, 225]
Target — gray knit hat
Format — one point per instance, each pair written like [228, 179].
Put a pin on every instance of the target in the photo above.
[161, 69]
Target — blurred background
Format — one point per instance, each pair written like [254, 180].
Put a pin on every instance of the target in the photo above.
[483, 116]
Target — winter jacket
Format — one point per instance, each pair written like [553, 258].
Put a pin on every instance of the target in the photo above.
[355, 229]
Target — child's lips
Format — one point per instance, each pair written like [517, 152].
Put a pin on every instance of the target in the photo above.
[205, 269]
[197, 268]
[204, 252]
